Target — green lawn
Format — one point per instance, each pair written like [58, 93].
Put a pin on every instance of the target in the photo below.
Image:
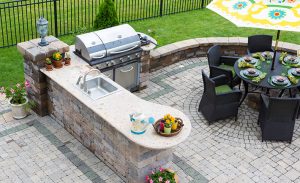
[169, 29]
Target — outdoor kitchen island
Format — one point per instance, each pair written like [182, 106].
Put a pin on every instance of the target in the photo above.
[103, 125]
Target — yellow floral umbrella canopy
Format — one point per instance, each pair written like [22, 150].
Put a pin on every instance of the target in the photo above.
[266, 14]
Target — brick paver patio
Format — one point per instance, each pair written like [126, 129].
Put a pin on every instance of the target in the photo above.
[38, 149]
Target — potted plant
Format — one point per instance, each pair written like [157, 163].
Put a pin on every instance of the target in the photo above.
[167, 127]
[163, 176]
[67, 58]
[170, 122]
[17, 99]
[57, 60]
[48, 64]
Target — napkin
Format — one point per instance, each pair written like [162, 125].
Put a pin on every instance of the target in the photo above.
[243, 64]
[259, 56]
[282, 56]
[293, 79]
[259, 78]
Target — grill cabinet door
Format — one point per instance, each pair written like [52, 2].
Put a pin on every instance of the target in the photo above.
[127, 75]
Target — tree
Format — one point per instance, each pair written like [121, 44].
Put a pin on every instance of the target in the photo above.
[107, 16]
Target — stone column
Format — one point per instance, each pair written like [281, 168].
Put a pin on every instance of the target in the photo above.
[145, 68]
[34, 59]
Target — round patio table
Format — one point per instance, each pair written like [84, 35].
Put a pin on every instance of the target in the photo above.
[265, 66]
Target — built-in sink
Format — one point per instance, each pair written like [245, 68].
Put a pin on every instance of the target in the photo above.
[96, 86]
[99, 87]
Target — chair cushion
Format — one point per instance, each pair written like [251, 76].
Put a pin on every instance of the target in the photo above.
[228, 67]
[222, 89]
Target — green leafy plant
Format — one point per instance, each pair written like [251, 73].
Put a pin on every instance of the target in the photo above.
[161, 176]
[57, 56]
[48, 61]
[107, 16]
[168, 125]
[16, 93]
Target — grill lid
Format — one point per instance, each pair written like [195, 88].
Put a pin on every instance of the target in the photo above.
[107, 42]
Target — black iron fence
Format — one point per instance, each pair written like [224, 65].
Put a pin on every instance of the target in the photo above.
[18, 18]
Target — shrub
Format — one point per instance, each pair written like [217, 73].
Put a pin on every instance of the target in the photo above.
[107, 16]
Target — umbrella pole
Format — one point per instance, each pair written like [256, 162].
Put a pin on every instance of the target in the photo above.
[276, 45]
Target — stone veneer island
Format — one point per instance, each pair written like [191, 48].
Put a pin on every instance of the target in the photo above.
[101, 125]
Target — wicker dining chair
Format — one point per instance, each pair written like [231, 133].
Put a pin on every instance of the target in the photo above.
[259, 43]
[219, 65]
[277, 117]
[219, 100]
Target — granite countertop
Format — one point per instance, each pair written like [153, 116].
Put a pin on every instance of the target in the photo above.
[116, 107]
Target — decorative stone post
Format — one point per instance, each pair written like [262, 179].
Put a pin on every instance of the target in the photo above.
[34, 59]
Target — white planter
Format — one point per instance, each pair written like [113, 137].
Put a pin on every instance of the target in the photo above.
[19, 110]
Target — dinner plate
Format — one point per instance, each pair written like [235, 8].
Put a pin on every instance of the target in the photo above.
[244, 73]
[278, 83]
[251, 61]
[288, 60]
[294, 72]
[249, 74]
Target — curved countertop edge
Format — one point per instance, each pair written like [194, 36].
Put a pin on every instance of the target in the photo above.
[110, 108]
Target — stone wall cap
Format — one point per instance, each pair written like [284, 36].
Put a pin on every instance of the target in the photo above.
[233, 41]
[202, 41]
[155, 54]
[167, 50]
[32, 51]
[243, 41]
[198, 42]
[186, 44]
[218, 40]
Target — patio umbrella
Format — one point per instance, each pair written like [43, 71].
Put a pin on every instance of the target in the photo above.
[266, 14]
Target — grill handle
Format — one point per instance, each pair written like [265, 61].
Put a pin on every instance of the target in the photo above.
[117, 52]
[128, 70]
[102, 56]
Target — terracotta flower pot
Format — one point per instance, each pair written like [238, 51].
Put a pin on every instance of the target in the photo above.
[49, 67]
[57, 63]
[67, 61]
[19, 110]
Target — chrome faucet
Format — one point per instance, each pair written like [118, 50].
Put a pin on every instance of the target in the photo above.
[84, 78]
[78, 80]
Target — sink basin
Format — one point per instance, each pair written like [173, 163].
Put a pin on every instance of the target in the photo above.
[99, 87]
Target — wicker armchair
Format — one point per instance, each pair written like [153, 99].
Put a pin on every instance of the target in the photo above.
[219, 65]
[259, 43]
[219, 100]
[277, 118]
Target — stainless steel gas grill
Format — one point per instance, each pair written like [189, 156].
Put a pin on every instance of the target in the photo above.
[115, 51]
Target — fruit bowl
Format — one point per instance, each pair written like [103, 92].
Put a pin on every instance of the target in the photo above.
[157, 129]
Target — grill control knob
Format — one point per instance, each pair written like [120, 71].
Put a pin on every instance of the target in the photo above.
[129, 57]
[137, 55]
[112, 63]
[121, 59]
[107, 64]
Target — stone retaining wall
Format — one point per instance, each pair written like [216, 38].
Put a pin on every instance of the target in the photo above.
[129, 160]
[233, 46]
